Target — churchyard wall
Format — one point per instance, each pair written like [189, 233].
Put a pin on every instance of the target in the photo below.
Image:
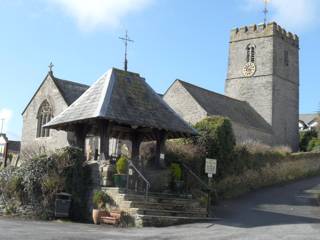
[290, 168]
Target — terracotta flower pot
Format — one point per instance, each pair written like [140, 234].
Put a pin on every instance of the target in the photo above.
[96, 216]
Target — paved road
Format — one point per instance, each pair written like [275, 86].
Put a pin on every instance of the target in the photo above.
[286, 212]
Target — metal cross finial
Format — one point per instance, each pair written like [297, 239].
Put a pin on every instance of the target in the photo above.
[126, 39]
[50, 67]
[2, 123]
[265, 11]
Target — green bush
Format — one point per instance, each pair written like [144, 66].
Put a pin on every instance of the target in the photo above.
[188, 153]
[314, 145]
[217, 137]
[122, 165]
[39, 179]
[176, 171]
[305, 138]
[100, 199]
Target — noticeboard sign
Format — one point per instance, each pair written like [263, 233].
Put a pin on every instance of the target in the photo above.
[211, 166]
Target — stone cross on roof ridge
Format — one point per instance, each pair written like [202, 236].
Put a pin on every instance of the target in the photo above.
[50, 67]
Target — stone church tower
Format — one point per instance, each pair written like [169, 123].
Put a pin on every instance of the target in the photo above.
[263, 70]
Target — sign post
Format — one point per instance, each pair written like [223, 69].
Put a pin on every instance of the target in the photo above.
[211, 169]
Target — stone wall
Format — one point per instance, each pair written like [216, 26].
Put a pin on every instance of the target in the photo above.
[178, 98]
[57, 139]
[25, 211]
[273, 91]
[289, 168]
[245, 134]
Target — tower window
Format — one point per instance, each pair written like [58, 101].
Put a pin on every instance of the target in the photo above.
[286, 58]
[251, 53]
[44, 116]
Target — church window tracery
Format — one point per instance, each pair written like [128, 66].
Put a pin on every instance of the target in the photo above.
[44, 116]
[251, 53]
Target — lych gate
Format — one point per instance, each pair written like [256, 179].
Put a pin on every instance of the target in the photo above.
[122, 105]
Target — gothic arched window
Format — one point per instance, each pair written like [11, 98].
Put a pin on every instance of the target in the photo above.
[44, 116]
[251, 52]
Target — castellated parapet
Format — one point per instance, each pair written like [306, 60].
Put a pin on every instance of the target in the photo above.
[262, 31]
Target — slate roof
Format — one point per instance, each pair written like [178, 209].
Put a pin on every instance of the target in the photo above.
[70, 91]
[308, 118]
[220, 105]
[125, 98]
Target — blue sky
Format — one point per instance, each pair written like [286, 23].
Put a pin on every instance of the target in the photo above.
[185, 39]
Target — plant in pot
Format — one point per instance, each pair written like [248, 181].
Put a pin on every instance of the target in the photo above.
[120, 179]
[99, 204]
[176, 174]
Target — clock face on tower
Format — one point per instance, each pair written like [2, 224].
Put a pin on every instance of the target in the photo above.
[249, 69]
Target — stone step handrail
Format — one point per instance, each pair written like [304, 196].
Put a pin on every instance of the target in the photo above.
[148, 185]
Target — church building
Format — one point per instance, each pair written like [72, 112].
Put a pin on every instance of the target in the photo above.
[261, 90]
[261, 93]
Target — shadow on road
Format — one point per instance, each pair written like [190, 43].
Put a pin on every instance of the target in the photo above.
[294, 203]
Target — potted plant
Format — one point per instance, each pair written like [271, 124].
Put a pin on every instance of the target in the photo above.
[176, 174]
[99, 200]
[120, 179]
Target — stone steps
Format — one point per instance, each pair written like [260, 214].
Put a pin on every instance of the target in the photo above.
[161, 212]
[156, 199]
[163, 221]
[158, 209]
[166, 206]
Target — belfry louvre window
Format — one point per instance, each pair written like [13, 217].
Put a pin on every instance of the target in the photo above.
[44, 116]
[251, 52]
[286, 58]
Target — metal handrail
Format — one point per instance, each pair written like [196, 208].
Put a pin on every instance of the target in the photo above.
[196, 176]
[141, 175]
[203, 184]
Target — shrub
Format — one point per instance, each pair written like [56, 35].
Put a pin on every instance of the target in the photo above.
[122, 165]
[188, 153]
[254, 147]
[314, 145]
[38, 179]
[100, 199]
[217, 137]
[305, 138]
[176, 171]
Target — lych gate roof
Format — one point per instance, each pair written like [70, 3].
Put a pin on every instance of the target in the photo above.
[219, 105]
[125, 98]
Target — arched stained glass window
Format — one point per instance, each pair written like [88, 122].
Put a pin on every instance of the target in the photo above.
[44, 116]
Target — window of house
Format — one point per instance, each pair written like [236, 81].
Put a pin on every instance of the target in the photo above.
[251, 53]
[44, 116]
[286, 58]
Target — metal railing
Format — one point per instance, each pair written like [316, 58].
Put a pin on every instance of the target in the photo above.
[132, 166]
[201, 182]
